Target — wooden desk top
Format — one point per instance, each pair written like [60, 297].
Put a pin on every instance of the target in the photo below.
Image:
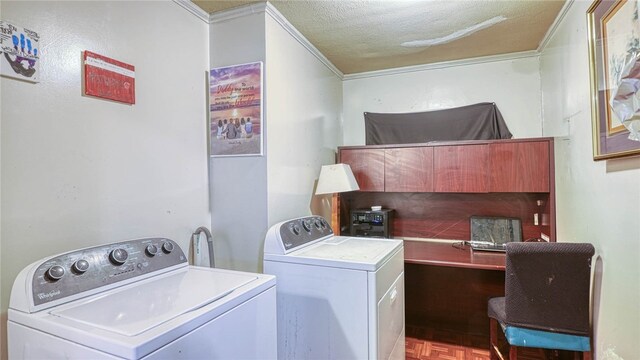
[442, 253]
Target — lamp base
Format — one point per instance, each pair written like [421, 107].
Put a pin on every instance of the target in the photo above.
[335, 214]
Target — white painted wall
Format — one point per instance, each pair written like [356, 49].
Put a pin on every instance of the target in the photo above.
[239, 184]
[301, 132]
[514, 85]
[597, 202]
[304, 121]
[79, 171]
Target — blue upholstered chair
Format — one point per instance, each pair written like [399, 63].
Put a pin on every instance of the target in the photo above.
[546, 302]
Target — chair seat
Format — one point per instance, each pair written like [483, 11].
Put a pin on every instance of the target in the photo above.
[496, 309]
[517, 336]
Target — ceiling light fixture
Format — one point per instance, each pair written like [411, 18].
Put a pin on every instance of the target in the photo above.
[455, 35]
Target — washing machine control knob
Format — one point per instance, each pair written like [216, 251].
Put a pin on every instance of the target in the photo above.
[295, 229]
[118, 256]
[151, 250]
[306, 224]
[55, 273]
[80, 266]
[318, 224]
[167, 247]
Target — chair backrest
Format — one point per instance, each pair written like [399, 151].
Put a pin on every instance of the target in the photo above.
[547, 286]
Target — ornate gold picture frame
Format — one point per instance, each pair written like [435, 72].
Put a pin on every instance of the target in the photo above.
[614, 32]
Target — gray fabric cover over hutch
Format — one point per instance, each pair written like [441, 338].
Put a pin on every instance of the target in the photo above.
[481, 121]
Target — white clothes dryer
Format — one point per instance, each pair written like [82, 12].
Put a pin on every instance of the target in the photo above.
[338, 297]
[139, 299]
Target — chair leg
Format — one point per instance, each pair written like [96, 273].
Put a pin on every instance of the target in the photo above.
[581, 355]
[493, 336]
[513, 352]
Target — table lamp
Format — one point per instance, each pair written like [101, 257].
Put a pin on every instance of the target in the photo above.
[335, 179]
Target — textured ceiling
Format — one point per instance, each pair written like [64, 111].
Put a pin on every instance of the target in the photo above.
[359, 36]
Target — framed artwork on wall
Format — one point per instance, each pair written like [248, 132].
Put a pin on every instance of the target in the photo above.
[614, 37]
[235, 105]
[108, 78]
[19, 52]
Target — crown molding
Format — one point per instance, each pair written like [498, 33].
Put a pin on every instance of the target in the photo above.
[267, 8]
[554, 26]
[194, 9]
[443, 65]
[286, 25]
[250, 9]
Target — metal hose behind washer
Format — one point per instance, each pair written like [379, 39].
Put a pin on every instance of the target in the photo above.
[207, 233]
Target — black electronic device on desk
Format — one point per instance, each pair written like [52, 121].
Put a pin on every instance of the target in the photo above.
[372, 223]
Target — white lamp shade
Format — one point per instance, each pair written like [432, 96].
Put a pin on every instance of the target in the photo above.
[336, 178]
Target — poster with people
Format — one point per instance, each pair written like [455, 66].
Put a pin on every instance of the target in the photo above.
[235, 94]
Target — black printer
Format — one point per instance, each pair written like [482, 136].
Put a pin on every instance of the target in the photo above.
[372, 223]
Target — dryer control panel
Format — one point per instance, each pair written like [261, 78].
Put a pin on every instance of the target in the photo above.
[87, 269]
[297, 232]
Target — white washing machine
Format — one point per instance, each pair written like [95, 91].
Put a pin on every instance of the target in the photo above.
[139, 299]
[338, 297]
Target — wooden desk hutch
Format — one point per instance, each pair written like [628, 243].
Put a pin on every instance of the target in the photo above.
[434, 189]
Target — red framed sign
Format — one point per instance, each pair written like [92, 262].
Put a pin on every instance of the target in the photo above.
[109, 79]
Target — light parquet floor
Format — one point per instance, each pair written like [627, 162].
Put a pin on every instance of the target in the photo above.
[440, 344]
[417, 349]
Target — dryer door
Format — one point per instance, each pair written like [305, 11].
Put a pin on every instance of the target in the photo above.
[391, 321]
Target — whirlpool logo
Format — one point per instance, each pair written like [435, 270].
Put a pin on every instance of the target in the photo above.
[49, 295]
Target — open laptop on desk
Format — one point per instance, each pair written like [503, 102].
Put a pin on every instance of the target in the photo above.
[493, 233]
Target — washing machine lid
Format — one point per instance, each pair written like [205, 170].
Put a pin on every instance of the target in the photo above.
[132, 310]
[347, 252]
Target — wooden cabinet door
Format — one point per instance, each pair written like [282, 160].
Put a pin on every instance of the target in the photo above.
[367, 166]
[461, 168]
[408, 169]
[519, 167]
